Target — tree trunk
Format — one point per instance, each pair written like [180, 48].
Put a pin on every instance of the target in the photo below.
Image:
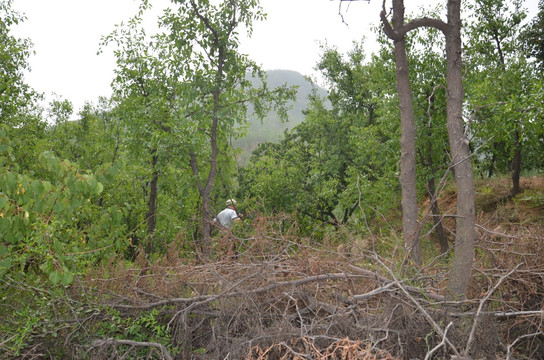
[493, 159]
[516, 161]
[437, 219]
[438, 228]
[152, 202]
[410, 226]
[516, 165]
[205, 190]
[461, 267]
[206, 194]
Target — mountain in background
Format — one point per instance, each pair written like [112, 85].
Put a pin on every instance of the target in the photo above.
[271, 129]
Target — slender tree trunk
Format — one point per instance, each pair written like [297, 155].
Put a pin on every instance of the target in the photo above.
[516, 161]
[438, 228]
[437, 218]
[493, 159]
[461, 267]
[516, 165]
[206, 194]
[152, 202]
[410, 226]
[205, 190]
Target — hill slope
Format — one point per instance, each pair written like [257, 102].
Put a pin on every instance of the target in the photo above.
[271, 128]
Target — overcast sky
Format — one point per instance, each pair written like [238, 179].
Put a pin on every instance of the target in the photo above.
[66, 36]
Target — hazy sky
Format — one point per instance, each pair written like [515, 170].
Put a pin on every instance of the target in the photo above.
[66, 35]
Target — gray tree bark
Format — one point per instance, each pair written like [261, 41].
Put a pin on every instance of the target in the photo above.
[463, 256]
[410, 225]
[461, 267]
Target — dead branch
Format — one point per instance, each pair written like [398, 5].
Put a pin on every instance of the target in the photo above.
[480, 307]
[392, 282]
[520, 338]
[442, 343]
[234, 291]
[427, 316]
[116, 342]
[500, 314]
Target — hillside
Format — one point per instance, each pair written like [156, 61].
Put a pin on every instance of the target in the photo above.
[271, 128]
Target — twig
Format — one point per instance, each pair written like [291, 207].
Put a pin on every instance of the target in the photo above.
[7, 340]
[375, 291]
[509, 348]
[501, 314]
[388, 281]
[442, 343]
[165, 354]
[428, 317]
[294, 352]
[480, 307]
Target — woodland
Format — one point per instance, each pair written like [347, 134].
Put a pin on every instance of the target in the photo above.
[393, 212]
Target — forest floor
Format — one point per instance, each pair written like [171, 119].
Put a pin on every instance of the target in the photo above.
[350, 297]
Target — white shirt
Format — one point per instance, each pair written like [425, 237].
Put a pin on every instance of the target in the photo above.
[226, 217]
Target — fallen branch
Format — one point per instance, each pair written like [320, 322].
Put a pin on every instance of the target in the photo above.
[478, 316]
[164, 351]
[383, 279]
[442, 343]
[202, 299]
[525, 336]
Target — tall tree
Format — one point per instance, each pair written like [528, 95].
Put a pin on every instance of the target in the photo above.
[146, 89]
[218, 90]
[500, 80]
[533, 37]
[461, 266]
[410, 227]
[18, 101]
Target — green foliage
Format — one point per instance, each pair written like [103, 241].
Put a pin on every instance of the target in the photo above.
[145, 326]
[502, 88]
[17, 100]
[51, 227]
[532, 35]
[320, 170]
[272, 127]
[15, 94]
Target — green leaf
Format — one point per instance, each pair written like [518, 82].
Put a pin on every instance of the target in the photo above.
[55, 276]
[67, 277]
[99, 188]
[5, 264]
[58, 207]
[47, 186]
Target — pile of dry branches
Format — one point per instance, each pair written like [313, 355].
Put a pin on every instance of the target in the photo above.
[298, 302]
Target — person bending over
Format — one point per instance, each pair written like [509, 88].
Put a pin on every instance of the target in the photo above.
[228, 215]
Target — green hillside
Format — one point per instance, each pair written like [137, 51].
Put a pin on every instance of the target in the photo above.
[272, 128]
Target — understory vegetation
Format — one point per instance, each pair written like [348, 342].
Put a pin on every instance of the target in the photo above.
[278, 295]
